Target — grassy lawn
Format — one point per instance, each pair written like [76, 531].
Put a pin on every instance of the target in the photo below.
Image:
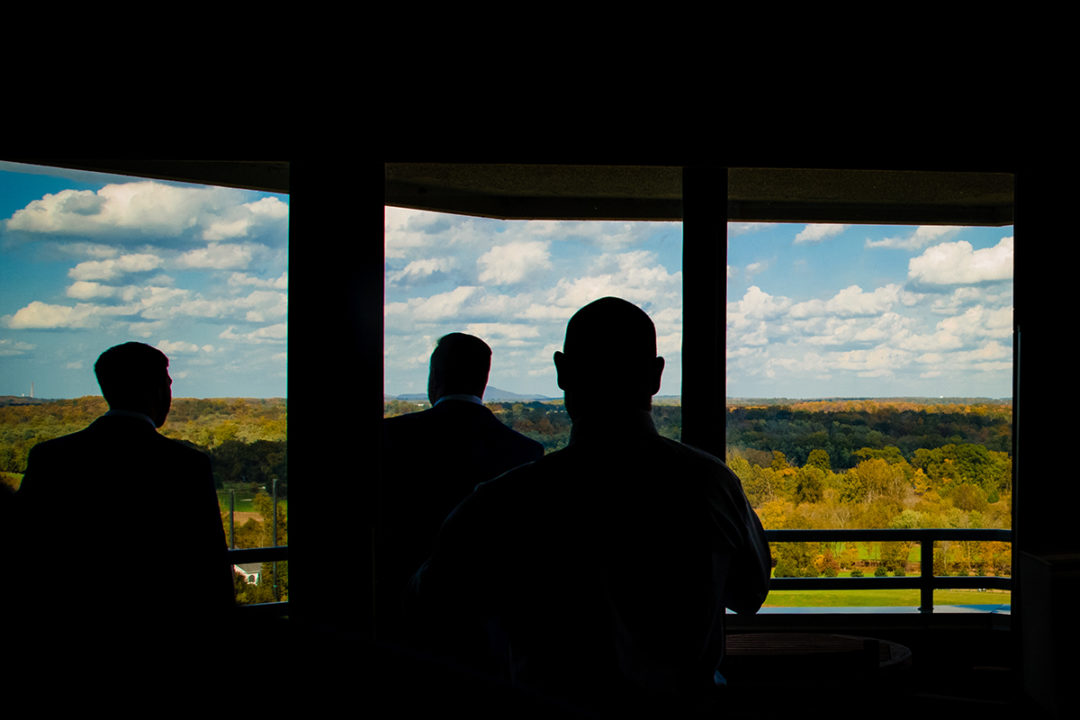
[882, 598]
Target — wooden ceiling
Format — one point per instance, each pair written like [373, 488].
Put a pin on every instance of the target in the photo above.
[654, 192]
[629, 191]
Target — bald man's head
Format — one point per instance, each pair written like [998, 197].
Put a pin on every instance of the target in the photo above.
[609, 357]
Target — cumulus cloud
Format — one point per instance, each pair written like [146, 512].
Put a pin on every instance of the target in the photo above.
[240, 279]
[87, 290]
[851, 301]
[219, 256]
[816, 232]
[153, 211]
[182, 347]
[269, 334]
[513, 262]
[113, 268]
[503, 330]
[743, 228]
[635, 276]
[38, 315]
[758, 304]
[918, 238]
[958, 263]
[873, 362]
[419, 270]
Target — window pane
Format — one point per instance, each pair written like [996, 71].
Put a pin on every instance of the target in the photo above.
[870, 386]
[89, 261]
[515, 284]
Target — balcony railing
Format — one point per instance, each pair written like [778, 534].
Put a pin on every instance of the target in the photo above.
[926, 582]
[239, 556]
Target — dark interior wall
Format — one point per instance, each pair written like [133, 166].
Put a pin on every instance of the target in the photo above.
[335, 386]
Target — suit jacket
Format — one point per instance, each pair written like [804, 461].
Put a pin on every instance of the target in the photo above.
[431, 461]
[121, 534]
[604, 569]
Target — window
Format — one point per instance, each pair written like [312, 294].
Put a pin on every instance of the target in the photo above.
[972, 212]
[91, 260]
[870, 386]
[515, 284]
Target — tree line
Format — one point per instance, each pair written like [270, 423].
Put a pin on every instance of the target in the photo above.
[246, 439]
[849, 464]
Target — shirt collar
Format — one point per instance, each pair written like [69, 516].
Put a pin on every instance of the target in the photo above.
[131, 414]
[461, 396]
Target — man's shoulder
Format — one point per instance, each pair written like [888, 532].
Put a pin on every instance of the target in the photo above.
[542, 475]
[458, 416]
[62, 446]
[180, 448]
[691, 454]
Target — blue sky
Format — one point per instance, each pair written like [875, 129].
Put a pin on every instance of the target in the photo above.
[89, 260]
[813, 310]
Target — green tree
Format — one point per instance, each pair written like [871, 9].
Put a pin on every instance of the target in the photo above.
[809, 484]
[820, 459]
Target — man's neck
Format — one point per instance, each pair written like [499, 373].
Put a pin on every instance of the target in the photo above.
[612, 424]
[465, 397]
[132, 414]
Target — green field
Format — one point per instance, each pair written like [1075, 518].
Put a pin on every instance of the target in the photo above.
[882, 598]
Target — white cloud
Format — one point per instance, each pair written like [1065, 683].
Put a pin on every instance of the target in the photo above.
[443, 306]
[513, 262]
[635, 276]
[874, 362]
[742, 228]
[756, 304]
[268, 207]
[958, 263]
[177, 347]
[143, 208]
[86, 290]
[219, 256]
[420, 269]
[545, 312]
[14, 348]
[268, 334]
[113, 268]
[918, 238]
[851, 301]
[264, 306]
[502, 330]
[816, 232]
[279, 283]
[38, 315]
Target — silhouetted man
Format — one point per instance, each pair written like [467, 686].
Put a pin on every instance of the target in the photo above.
[433, 459]
[601, 572]
[120, 527]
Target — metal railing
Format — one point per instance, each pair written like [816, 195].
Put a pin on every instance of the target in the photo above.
[239, 556]
[926, 582]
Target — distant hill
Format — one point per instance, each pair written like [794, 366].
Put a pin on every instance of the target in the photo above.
[740, 402]
[491, 394]
[21, 400]
[494, 394]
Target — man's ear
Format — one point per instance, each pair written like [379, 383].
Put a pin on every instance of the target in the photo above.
[560, 369]
[657, 374]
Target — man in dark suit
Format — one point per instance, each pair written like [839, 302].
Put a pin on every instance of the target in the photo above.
[433, 459]
[600, 574]
[120, 532]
